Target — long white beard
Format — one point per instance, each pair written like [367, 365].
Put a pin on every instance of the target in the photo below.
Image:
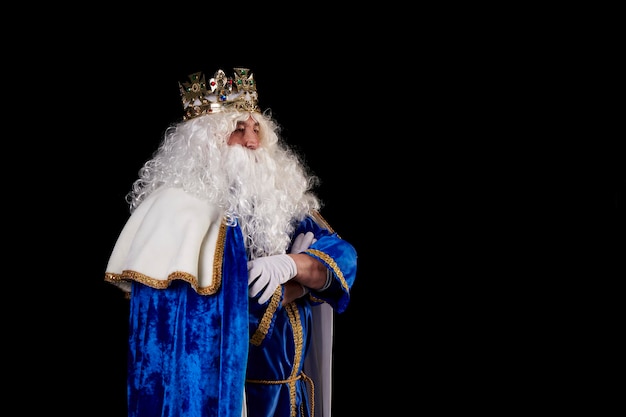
[263, 197]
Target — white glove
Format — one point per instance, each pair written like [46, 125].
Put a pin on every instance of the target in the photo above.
[267, 273]
[302, 242]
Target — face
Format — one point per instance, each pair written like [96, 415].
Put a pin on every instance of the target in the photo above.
[246, 134]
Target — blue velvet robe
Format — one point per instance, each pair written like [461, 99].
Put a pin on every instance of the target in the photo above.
[193, 330]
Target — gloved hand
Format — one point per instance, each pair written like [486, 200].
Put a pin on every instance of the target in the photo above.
[267, 273]
[302, 242]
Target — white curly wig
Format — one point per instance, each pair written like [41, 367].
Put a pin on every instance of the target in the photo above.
[267, 190]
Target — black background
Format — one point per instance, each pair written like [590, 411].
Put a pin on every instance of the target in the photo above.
[435, 163]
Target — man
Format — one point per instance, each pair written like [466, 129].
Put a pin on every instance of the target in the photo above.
[230, 269]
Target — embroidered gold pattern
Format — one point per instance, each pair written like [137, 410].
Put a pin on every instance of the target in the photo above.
[296, 327]
[266, 320]
[331, 264]
[321, 221]
[218, 258]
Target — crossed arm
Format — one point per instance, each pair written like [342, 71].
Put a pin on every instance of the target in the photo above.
[311, 274]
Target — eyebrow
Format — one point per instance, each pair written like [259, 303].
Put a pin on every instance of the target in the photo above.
[244, 123]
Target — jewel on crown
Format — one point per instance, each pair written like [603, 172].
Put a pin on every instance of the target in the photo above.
[220, 94]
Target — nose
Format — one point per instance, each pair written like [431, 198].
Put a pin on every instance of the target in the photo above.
[251, 140]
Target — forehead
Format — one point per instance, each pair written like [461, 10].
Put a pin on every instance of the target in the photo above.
[248, 122]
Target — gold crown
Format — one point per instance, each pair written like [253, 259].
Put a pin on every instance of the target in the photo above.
[222, 93]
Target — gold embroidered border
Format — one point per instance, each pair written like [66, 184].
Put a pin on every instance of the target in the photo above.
[266, 320]
[296, 327]
[331, 264]
[321, 221]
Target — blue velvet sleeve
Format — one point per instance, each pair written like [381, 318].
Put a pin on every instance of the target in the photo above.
[337, 255]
